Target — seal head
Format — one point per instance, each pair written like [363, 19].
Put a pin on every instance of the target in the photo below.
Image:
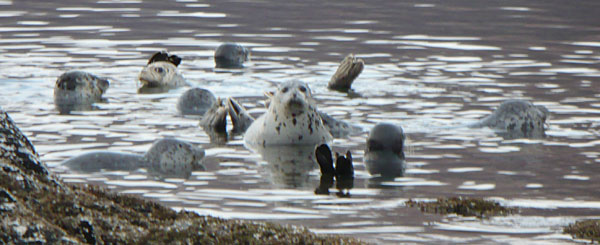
[78, 90]
[384, 155]
[195, 101]
[161, 74]
[517, 119]
[231, 55]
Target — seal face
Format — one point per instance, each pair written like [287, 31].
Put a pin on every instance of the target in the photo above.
[384, 154]
[231, 55]
[161, 74]
[195, 101]
[78, 90]
[517, 118]
[291, 119]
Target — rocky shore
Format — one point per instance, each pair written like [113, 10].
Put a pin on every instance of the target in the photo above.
[37, 207]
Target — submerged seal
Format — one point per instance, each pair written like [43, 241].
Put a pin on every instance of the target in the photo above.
[516, 119]
[78, 90]
[161, 73]
[291, 119]
[384, 155]
[345, 74]
[195, 101]
[167, 158]
[231, 55]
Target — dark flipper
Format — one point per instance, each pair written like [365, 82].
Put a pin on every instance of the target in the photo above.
[240, 118]
[348, 70]
[323, 155]
[344, 174]
[214, 122]
[164, 56]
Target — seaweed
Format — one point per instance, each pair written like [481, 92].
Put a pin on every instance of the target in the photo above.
[584, 229]
[465, 206]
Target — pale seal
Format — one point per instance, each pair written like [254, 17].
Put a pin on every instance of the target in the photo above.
[166, 158]
[517, 119]
[195, 101]
[346, 73]
[78, 90]
[291, 119]
[384, 155]
[161, 74]
[231, 55]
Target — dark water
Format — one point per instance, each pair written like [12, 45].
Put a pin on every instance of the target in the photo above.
[431, 66]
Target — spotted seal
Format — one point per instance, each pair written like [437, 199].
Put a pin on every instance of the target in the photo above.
[195, 101]
[517, 119]
[167, 157]
[384, 155]
[291, 119]
[346, 73]
[161, 74]
[231, 55]
[78, 90]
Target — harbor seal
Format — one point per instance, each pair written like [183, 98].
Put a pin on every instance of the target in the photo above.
[195, 101]
[517, 119]
[78, 90]
[167, 157]
[291, 119]
[231, 55]
[384, 155]
[346, 73]
[161, 74]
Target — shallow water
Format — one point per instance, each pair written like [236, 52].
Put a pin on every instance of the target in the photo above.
[430, 67]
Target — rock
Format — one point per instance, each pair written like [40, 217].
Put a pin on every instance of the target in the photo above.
[37, 207]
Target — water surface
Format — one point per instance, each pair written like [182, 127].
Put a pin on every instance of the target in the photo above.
[431, 67]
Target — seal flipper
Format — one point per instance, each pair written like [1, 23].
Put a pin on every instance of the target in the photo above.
[344, 174]
[240, 118]
[214, 122]
[164, 56]
[348, 70]
[323, 156]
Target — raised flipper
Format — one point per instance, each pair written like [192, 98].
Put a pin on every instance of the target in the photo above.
[214, 122]
[240, 118]
[164, 56]
[348, 70]
[323, 156]
[344, 174]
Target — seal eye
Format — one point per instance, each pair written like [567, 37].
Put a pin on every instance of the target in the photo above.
[284, 90]
[302, 89]
[159, 69]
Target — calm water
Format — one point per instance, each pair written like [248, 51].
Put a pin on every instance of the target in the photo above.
[430, 66]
